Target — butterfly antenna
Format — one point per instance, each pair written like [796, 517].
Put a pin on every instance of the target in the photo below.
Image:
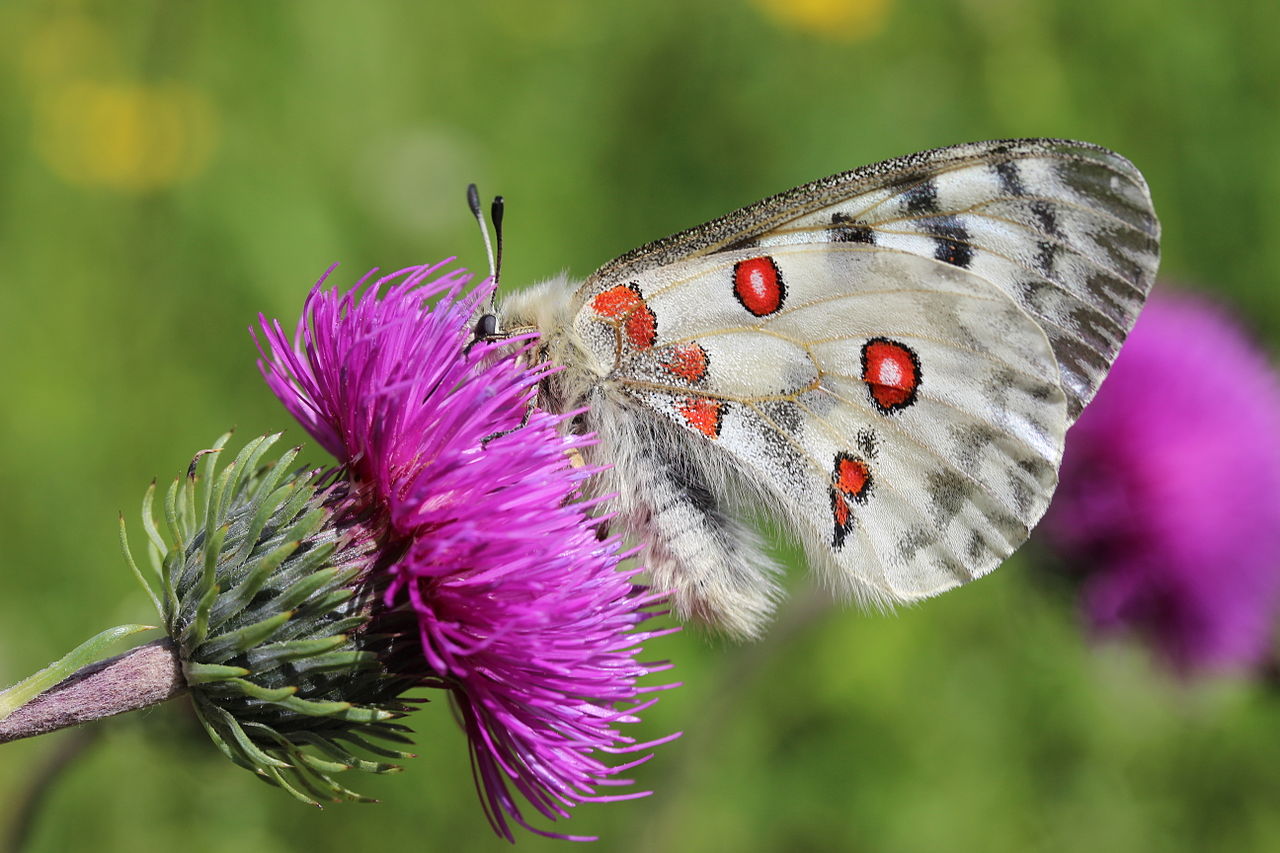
[495, 214]
[473, 202]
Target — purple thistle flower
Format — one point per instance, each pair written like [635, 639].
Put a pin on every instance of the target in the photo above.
[522, 612]
[1169, 499]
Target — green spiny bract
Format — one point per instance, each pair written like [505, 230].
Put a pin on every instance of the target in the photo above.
[265, 587]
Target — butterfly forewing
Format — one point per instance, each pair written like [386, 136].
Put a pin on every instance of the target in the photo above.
[1065, 229]
[887, 360]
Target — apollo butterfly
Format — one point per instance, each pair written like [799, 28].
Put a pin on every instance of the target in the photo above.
[886, 360]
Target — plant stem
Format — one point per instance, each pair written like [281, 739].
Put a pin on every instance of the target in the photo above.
[90, 651]
[145, 676]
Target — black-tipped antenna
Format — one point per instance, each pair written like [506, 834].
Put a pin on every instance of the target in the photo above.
[495, 213]
[473, 202]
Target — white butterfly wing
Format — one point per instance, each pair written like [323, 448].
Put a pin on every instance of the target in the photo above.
[904, 415]
[1066, 229]
[887, 359]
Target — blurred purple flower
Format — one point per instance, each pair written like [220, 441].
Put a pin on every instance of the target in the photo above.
[1169, 502]
[522, 613]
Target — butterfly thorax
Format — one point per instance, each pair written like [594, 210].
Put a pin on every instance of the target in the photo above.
[547, 309]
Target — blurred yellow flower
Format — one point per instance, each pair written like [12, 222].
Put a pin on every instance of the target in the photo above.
[125, 136]
[95, 126]
[844, 20]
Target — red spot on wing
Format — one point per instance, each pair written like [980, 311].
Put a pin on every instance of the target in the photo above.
[686, 361]
[892, 373]
[703, 414]
[617, 302]
[758, 284]
[852, 476]
[624, 304]
[843, 518]
[842, 513]
[850, 481]
[642, 327]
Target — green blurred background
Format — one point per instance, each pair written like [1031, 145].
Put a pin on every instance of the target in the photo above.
[169, 169]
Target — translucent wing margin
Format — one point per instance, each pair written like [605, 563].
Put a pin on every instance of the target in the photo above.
[1065, 229]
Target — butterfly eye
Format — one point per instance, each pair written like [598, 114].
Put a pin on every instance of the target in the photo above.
[485, 331]
[486, 327]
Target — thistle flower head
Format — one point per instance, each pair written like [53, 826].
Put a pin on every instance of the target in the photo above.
[267, 580]
[1169, 499]
[521, 611]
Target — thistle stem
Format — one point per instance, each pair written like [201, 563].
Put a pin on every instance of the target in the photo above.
[147, 675]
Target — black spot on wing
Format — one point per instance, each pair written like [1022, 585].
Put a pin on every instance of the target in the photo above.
[1040, 470]
[970, 441]
[1010, 178]
[1046, 253]
[948, 493]
[922, 198]
[913, 540]
[977, 547]
[868, 443]
[845, 230]
[1030, 482]
[1024, 498]
[1045, 217]
[954, 567]
[951, 240]
[1035, 294]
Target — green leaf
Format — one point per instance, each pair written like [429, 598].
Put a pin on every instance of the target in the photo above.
[333, 750]
[240, 740]
[262, 694]
[341, 710]
[242, 639]
[235, 600]
[206, 673]
[133, 566]
[82, 655]
[268, 656]
[149, 519]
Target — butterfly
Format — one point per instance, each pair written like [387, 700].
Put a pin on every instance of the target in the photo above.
[885, 361]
